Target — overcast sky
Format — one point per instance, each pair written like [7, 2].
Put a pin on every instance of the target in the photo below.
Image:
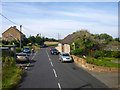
[51, 18]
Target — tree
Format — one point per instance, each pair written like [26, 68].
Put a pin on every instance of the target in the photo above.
[117, 39]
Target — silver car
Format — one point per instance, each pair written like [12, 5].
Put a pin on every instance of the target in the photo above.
[22, 57]
[65, 57]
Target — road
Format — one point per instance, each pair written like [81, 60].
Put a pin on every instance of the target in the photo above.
[46, 71]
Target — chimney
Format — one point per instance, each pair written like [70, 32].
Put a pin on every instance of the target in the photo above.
[14, 27]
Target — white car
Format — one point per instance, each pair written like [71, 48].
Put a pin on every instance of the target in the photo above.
[65, 57]
[22, 57]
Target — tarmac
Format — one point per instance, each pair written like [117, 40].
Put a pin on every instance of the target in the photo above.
[112, 80]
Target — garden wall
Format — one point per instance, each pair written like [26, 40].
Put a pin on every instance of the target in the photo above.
[92, 67]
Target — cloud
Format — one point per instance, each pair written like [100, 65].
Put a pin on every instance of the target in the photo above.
[51, 28]
[64, 20]
[61, 1]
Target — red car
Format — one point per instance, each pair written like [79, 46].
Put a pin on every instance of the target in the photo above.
[51, 48]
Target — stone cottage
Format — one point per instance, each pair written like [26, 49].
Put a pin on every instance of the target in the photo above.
[12, 34]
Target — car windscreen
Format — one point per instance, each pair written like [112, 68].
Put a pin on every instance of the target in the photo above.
[65, 54]
[27, 49]
[21, 55]
[54, 49]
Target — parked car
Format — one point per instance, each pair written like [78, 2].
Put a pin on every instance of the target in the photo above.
[27, 50]
[51, 48]
[22, 57]
[65, 57]
[54, 51]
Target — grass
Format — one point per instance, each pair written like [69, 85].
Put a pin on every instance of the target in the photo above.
[51, 45]
[103, 61]
[11, 74]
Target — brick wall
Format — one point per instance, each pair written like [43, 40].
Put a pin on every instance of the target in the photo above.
[92, 67]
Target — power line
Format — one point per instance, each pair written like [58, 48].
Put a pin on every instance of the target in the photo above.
[13, 22]
[8, 19]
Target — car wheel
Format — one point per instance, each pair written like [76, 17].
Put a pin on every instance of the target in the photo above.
[62, 61]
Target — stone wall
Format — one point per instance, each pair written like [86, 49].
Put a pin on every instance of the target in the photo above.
[81, 62]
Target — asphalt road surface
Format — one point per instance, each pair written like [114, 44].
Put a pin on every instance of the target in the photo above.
[46, 71]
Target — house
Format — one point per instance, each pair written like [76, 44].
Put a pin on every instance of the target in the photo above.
[12, 34]
[64, 45]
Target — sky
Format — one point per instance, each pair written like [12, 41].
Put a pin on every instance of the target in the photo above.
[51, 18]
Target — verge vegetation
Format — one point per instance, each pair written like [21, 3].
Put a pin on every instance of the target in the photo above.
[11, 74]
[93, 47]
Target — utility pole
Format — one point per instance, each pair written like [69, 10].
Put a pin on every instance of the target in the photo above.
[20, 35]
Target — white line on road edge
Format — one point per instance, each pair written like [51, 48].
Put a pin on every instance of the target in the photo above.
[51, 63]
[59, 86]
[36, 52]
[34, 55]
[55, 72]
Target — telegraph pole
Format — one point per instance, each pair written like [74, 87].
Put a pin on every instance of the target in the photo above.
[20, 35]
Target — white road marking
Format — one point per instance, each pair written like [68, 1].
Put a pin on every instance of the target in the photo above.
[48, 56]
[49, 59]
[59, 86]
[51, 64]
[34, 55]
[55, 72]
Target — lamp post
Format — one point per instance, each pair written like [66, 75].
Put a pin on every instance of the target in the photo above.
[20, 35]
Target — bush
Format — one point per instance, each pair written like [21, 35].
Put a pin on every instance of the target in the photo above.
[11, 74]
[78, 51]
[18, 50]
[108, 54]
[98, 54]
[116, 54]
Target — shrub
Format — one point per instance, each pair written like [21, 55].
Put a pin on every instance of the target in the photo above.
[116, 54]
[108, 54]
[98, 54]
[18, 49]
[78, 51]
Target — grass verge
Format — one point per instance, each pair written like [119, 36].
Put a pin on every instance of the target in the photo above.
[11, 74]
[103, 61]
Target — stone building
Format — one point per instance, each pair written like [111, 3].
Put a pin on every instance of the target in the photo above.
[12, 34]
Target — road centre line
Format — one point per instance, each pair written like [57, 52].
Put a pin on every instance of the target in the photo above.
[54, 72]
[53, 69]
[59, 85]
[49, 59]
[51, 63]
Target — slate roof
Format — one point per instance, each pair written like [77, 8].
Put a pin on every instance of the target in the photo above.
[14, 27]
[71, 37]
